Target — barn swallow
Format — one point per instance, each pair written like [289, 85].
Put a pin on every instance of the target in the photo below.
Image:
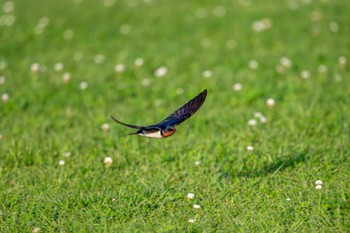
[166, 127]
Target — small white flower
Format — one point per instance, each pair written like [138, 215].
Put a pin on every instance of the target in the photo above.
[2, 80]
[333, 27]
[205, 42]
[179, 91]
[201, 13]
[99, 58]
[108, 161]
[66, 77]
[288, 199]
[253, 64]
[237, 87]
[219, 11]
[258, 114]
[113, 199]
[250, 148]
[68, 34]
[161, 72]
[35, 67]
[58, 66]
[105, 127]
[125, 29]
[2, 64]
[190, 196]
[286, 62]
[322, 69]
[315, 16]
[119, 68]
[263, 119]
[207, 74]
[9, 6]
[5, 97]
[342, 60]
[197, 163]
[138, 62]
[196, 206]
[146, 82]
[191, 220]
[280, 69]
[36, 230]
[318, 186]
[270, 102]
[83, 85]
[305, 74]
[252, 122]
[67, 154]
[262, 25]
[319, 182]
[61, 162]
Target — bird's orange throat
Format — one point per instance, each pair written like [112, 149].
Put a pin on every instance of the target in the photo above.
[167, 134]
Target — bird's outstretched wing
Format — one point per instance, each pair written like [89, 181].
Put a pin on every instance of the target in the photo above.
[184, 112]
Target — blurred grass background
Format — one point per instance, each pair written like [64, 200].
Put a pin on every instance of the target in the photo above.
[292, 51]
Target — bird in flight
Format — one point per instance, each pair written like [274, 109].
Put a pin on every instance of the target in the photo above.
[166, 127]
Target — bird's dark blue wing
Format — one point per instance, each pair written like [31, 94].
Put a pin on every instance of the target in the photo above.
[184, 112]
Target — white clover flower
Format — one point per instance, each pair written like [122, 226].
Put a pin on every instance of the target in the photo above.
[270, 102]
[318, 186]
[99, 58]
[252, 122]
[68, 34]
[179, 91]
[191, 220]
[146, 82]
[258, 114]
[263, 119]
[237, 87]
[138, 62]
[35, 67]
[280, 69]
[253, 64]
[2, 80]
[108, 161]
[2, 64]
[113, 199]
[83, 85]
[219, 11]
[196, 206]
[108, 3]
[342, 60]
[58, 66]
[7, 20]
[262, 24]
[9, 7]
[305, 74]
[105, 127]
[207, 73]
[322, 69]
[161, 71]
[125, 29]
[250, 148]
[119, 68]
[201, 13]
[67, 154]
[197, 163]
[288, 199]
[190, 196]
[36, 230]
[319, 182]
[61, 162]
[205, 42]
[333, 27]
[315, 16]
[5, 97]
[286, 62]
[66, 77]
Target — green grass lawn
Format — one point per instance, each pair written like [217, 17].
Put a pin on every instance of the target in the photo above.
[65, 66]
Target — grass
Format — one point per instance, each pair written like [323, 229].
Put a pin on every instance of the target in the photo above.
[269, 189]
